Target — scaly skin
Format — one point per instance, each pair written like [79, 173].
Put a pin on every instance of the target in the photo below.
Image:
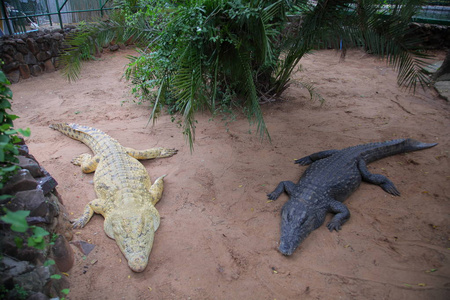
[332, 177]
[125, 194]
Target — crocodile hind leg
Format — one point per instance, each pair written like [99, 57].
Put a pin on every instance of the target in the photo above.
[87, 163]
[95, 206]
[378, 179]
[156, 189]
[150, 153]
[307, 160]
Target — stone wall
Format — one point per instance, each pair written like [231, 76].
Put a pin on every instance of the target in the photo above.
[435, 37]
[31, 54]
[24, 273]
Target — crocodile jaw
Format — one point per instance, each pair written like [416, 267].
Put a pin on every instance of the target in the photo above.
[296, 224]
[134, 231]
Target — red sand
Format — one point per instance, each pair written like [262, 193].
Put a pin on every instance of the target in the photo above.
[219, 234]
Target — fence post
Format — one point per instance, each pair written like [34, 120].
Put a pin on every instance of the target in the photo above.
[49, 15]
[6, 18]
[59, 12]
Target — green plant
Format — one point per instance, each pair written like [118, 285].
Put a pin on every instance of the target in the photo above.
[194, 52]
[19, 223]
[8, 135]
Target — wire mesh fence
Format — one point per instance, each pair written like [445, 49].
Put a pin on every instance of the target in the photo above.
[435, 12]
[18, 16]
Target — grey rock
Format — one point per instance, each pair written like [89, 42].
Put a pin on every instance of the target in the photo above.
[47, 183]
[30, 59]
[114, 47]
[19, 57]
[22, 48]
[443, 88]
[27, 200]
[22, 181]
[31, 165]
[13, 76]
[38, 296]
[11, 67]
[14, 267]
[36, 70]
[43, 55]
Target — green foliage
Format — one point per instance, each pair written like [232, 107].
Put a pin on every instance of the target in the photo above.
[18, 223]
[195, 54]
[207, 49]
[8, 135]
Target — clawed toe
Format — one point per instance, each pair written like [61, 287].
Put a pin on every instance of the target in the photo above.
[333, 226]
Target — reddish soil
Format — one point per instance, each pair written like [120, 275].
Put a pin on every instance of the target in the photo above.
[218, 236]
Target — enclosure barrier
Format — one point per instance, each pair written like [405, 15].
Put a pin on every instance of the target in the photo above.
[19, 16]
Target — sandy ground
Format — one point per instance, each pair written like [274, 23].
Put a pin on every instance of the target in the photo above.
[219, 234]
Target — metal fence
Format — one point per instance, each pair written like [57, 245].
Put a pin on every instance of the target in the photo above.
[19, 16]
[436, 12]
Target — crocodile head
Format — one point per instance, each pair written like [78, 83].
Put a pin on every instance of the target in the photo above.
[296, 224]
[133, 231]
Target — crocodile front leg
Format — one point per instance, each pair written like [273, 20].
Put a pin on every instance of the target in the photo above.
[95, 206]
[150, 153]
[87, 163]
[287, 186]
[342, 215]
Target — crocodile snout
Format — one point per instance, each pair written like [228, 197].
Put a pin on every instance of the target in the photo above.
[138, 263]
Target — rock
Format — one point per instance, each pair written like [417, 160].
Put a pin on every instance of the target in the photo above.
[443, 88]
[49, 67]
[43, 55]
[84, 247]
[22, 48]
[14, 267]
[13, 76]
[11, 67]
[7, 59]
[9, 49]
[47, 183]
[57, 36]
[33, 281]
[31, 165]
[114, 47]
[27, 200]
[23, 150]
[19, 57]
[24, 71]
[30, 59]
[38, 296]
[63, 254]
[36, 70]
[22, 181]
[32, 46]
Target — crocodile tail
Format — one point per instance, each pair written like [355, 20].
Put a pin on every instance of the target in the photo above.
[380, 150]
[414, 145]
[92, 137]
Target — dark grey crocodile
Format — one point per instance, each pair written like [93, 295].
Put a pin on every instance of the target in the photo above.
[332, 177]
